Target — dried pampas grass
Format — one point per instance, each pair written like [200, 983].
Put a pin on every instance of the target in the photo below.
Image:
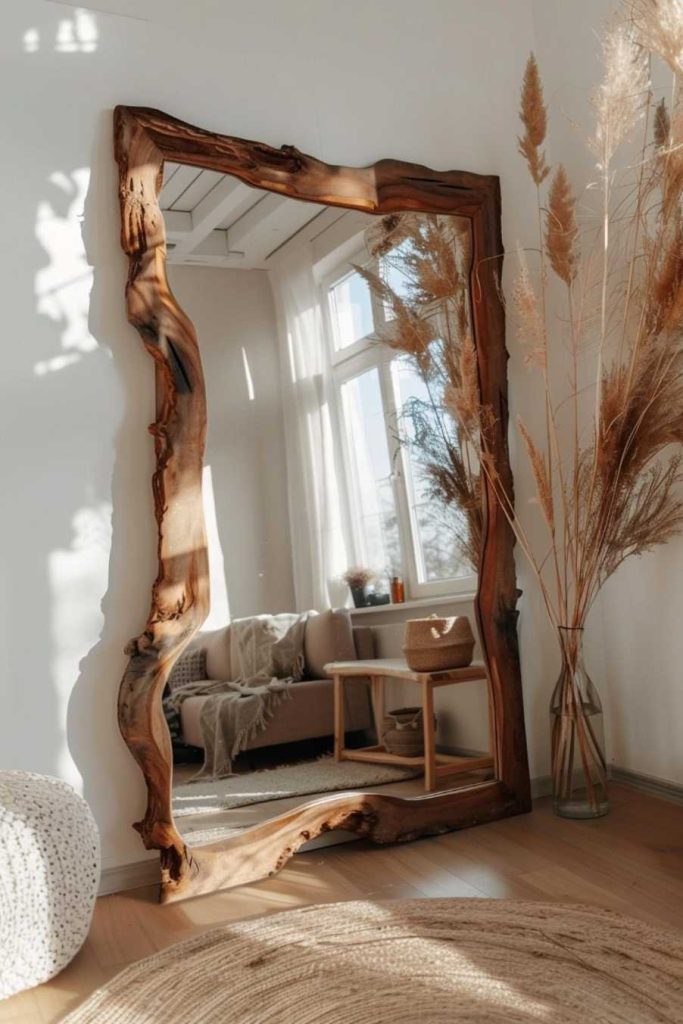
[533, 115]
[463, 397]
[609, 489]
[415, 333]
[670, 150]
[619, 100]
[561, 229]
[544, 489]
[658, 27]
[662, 125]
[529, 320]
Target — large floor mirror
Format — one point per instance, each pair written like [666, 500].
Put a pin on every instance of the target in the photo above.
[307, 323]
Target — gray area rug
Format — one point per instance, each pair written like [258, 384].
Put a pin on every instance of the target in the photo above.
[435, 961]
[322, 776]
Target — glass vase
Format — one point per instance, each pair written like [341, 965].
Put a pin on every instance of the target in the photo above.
[578, 766]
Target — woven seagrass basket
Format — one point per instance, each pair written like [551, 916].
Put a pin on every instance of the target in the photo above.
[435, 644]
[403, 732]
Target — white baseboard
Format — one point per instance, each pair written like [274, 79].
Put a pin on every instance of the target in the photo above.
[146, 872]
[662, 788]
[129, 876]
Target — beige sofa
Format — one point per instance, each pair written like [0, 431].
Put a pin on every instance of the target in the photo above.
[309, 713]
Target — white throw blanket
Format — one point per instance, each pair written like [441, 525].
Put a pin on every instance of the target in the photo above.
[267, 655]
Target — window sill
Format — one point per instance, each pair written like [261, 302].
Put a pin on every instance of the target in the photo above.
[422, 602]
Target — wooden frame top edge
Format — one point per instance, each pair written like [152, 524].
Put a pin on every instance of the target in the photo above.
[300, 176]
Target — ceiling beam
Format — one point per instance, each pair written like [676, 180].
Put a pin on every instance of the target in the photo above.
[211, 252]
[340, 240]
[177, 179]
[268, 224]
[229, 194]
[178, 225]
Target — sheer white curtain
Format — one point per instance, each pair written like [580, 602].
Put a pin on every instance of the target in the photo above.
[317, 501]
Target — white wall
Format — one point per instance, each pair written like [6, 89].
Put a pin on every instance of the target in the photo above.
[435, 81]
[234, 315]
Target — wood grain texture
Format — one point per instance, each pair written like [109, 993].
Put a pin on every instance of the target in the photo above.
[180, 593]
[144, 138]
[429, 738]
[396, 668]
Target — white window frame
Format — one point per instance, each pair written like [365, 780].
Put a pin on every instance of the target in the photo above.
[362, 355]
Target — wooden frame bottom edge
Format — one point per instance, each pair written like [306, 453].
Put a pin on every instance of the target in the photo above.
[264, 849]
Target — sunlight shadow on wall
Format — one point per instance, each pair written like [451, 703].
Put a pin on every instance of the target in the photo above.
[77, 559]
[219, 613]
[78, 578]
[247, 375]
[63, 287]
[76, 34]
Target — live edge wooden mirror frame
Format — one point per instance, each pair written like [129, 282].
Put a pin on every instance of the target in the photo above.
[144, 139]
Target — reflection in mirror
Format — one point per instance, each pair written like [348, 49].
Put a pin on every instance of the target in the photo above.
[334, 344]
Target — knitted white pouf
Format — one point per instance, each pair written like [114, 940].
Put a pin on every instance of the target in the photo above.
[49, 872]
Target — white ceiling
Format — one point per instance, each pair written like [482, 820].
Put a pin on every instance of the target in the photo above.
[215, 220]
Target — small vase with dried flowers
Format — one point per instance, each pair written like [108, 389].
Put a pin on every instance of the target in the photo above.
[357, 579]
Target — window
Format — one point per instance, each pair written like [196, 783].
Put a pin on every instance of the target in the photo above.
[397, 527]
[350, 309]
[432, 525]
[373, 503]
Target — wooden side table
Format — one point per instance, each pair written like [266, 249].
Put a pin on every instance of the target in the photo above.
[436, 766]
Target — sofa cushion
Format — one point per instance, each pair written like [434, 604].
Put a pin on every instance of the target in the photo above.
[216, 644]
[190, 666]
[329, 637]
[287, 652]
[364, 642]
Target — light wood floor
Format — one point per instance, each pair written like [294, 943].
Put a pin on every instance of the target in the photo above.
[631, 861]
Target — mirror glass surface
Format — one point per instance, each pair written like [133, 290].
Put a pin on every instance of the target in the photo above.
[328, 339]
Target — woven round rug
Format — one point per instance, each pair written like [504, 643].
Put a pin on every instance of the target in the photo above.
[439, 961]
